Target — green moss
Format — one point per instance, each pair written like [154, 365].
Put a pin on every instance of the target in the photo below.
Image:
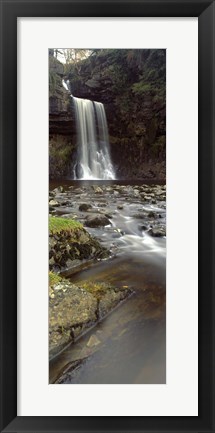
[54, 279]
[141, 88]
[96, 288]
[57, 224]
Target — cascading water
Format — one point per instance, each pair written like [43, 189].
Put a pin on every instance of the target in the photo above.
[94, 160]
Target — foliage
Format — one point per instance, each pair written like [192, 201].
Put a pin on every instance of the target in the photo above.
[141, 87]
[60, 147]
[56, 71]
[58, 224]
[60, 153]
[128, 72]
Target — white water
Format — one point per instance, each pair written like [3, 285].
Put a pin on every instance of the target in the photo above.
[65, 85]
[93, 145]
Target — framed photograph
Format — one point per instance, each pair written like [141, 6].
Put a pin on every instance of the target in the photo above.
[98, 138]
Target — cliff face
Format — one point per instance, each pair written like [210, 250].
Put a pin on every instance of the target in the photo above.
[61, 123]
[132, 86]
[61, 120]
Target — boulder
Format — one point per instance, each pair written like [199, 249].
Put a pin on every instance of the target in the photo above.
[97, 189]
[59, 189]
[54, 203]
[157, 231]
[84, 207]
[97, 220]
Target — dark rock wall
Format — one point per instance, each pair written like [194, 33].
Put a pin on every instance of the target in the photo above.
[62, 140]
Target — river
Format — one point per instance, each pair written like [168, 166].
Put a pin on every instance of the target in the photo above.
[131, 341]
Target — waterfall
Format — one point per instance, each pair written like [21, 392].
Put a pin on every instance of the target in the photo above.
[93, 160]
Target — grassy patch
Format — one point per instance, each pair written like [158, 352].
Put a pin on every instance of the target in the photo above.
[57, 224]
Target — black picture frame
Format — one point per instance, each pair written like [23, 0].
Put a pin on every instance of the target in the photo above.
[10, 11]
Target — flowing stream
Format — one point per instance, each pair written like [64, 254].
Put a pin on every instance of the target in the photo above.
[131, 341]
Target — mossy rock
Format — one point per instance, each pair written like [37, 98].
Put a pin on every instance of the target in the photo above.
[57, 225]
[69, 242]
[73, 309]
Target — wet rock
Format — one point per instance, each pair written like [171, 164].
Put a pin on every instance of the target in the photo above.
[97, 220]
[111, 299]
[136, 192]
[120, 207]
[142, 227]
[152, 214]
[139, 216]
[54, 203]
[58, 190]
[73, 310]
[116, 235]
[157, 232]
[52, 210]
[79, 190]
[109, 215]
[64, 211]
[66, 247]
[67, 371]
[97, 189]
[93, 341]
[84, 207]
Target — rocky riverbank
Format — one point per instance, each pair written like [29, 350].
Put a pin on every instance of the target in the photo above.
[75, 309]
